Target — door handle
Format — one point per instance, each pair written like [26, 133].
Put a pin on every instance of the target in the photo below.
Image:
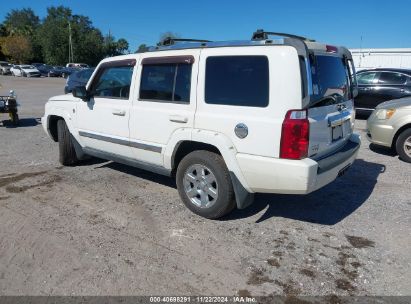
[119, 112]
[178, 118]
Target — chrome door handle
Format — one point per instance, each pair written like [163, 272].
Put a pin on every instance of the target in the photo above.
[119, 112]
[178, 118]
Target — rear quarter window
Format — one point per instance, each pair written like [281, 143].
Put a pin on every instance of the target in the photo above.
[392, 78]
[237, 81]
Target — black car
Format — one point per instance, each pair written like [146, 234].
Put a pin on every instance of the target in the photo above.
[378, 85]
[79, 78]
[48, 71]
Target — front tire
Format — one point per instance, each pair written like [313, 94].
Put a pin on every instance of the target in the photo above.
[403, 145]
[67, 153]
[204, 184]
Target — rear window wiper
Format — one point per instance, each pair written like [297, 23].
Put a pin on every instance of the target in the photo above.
[332, 99]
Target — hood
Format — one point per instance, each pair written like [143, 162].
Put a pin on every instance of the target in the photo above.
[30, 70]
[396, 103]
[66, 97]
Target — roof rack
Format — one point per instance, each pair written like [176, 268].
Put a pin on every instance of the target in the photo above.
[171, 41]
[260, 34]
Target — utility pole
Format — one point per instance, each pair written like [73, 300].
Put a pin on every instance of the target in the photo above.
[71, 54]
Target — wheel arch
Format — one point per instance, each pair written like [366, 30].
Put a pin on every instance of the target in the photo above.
[52, 126]
[217, 143]
[398, 132]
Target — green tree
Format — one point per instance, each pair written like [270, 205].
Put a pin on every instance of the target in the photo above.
[22, 22]
[113, 47]
[122, 46]
[169, 34]
[142, 48]
[17, 48]
[54, 35]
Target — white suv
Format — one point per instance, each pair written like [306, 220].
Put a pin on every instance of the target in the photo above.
[226, 119]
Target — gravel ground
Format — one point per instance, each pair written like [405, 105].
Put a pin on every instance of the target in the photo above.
[107, 229]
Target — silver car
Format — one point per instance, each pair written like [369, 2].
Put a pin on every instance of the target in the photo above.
[390, 125]
[5, 68]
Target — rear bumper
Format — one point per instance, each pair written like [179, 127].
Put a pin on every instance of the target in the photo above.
[273, 175]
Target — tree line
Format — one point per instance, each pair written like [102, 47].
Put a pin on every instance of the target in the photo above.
[25, 38]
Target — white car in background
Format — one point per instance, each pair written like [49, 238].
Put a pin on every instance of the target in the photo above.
[25, 71]
[5, 68]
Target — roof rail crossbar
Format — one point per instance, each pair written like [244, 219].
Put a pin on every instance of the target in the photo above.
[260, 34]
[170, 41]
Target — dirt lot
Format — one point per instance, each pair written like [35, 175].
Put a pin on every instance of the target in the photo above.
[106, 229]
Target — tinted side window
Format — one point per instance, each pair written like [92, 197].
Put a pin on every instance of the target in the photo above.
[366, 78]
[392, 78]
[114, 82]
[237, 81]
[166, 82]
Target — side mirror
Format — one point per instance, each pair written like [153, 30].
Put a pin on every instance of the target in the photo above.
[81, 92]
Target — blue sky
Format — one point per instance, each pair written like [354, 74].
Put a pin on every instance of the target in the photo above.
[381, 23]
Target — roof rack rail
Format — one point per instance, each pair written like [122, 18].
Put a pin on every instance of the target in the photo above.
[171, 41]
[260, 34]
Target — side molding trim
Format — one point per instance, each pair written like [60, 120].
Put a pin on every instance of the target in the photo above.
[123, 142]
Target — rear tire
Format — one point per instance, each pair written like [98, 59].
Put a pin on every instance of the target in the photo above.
[67, 153]
[403, 145]
[204, 184]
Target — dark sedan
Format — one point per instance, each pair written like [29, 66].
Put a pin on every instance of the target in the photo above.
[378, 85]
[48, 71]
[79, 78]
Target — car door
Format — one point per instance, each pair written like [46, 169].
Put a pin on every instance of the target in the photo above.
[366, 83]
[102, 121]
[391, 85]
[166, 102]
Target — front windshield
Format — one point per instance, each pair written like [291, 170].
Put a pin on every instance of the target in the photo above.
[27, 67]
[330, 78]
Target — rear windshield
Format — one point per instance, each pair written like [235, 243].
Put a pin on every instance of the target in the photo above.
[330, 78]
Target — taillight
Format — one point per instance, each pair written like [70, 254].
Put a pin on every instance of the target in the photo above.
[295, 135]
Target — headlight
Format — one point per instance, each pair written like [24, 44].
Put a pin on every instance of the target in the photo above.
[384, 114]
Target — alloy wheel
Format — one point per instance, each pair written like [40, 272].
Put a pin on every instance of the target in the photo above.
[200, 185]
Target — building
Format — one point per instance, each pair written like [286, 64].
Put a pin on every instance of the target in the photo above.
[381, 58]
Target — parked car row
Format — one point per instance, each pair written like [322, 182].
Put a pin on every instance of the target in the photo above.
[40, 69]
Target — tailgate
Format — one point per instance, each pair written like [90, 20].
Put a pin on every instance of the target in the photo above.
[331, 111]
[330, 127]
